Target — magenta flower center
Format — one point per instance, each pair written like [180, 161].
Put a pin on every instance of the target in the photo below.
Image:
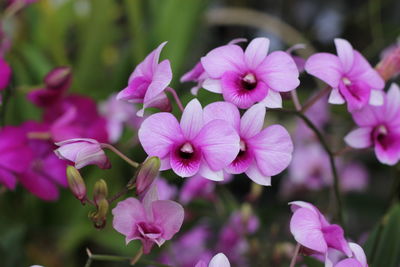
[186, 151]
[379, 134]
[149, 230]
[249, 81]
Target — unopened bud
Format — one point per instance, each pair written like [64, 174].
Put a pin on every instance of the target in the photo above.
[389, 66]
[76, 183]
[100, 191]
[147, 173]
[99, 217]
[59, 78]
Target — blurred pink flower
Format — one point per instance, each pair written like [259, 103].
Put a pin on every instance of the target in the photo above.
[15, 155]
[311, 230]
[379, 127]
[75, 116]
[193, 146]
[389, 66]
[5, 74]
[263, 152]
[219, 260]
[56, 83]
[148, 81]
[46, 172]
[351, 77]
[248, 77]
[199, 235]
[357, 259]
[150, 221]
[82, 152]
[118, 114]
[166, 191]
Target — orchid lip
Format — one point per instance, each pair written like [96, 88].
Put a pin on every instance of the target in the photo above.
[249, 81]
[346, 81]
[186, 151]
[243, 146]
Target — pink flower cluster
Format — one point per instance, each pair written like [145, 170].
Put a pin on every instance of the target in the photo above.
[320, 238]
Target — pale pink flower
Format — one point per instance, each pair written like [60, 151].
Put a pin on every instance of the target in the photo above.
[263, 152]
[250, 76]
[311, 230]
[351, 77]
[219, 260]
[151, 221]
[379, 127]
[357, 259]
[148, 81]
[83, 152]
[192, 146]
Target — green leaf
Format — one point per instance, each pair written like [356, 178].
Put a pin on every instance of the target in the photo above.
[383, 245]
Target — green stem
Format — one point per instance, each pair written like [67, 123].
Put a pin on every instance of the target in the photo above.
[296, 252]
[315, 98]
[331, 155]
[5, 97]
[121, 155]
[176, 97]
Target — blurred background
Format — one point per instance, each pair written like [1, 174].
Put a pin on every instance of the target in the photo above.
[103, 40]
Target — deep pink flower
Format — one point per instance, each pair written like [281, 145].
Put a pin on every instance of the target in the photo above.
[351, 77]
[357, 259]
[263, 152]
[219, 260]
[56, 83]
[310, 229]
[119, 114]
[250, 76]
[192, 146]
[82, 152]
[15, 155]
[148, 81]
[5, 74]
[75, 116]
[151, 221]
[46, 172]
[379, 127]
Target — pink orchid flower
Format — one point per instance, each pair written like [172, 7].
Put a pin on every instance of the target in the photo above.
[15, 155]
[219, 260]
[46, 173]
[83, 152]
[357, 259]
[263, 152]
[250, 76]
[351, 77]
[147, 83]
[151, 221]
[379, 127]
[192, 146]
[311, 230]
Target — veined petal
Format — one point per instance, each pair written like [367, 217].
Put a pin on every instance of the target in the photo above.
[161, 78]
[272, 100]
[362, 71]
[192, 119]
[212, 85]
[256, 176]
[334, 237]
[222, 111]
[326, 67]
[222, 59]
[306, 229]
[272, 149]
[158, 133]
[358, 253]
[256, 52]
[359, 138]
[219, 144]
[126, 214]
[169, 215]
[185, 166]
[345, 53]
[389, 151]
[206, 172]
[148, 65]
[135, 91]
[279, 72]
[335, 97]
[219, 260]
[252, 121]
[241, 163]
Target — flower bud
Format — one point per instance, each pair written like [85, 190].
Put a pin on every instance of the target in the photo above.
[389, 66]
[59, 78]
[99, 217]
[147, 173]
[76, 183]
[100, 191]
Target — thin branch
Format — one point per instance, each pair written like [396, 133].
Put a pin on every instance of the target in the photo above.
[295, 99]
[176, 97]
[296, 252]
[121, 155]
[315, 98]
